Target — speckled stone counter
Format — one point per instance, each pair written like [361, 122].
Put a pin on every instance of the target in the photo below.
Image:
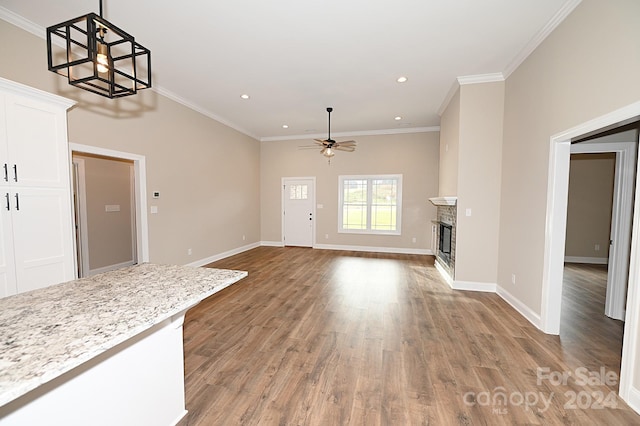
[45, 333]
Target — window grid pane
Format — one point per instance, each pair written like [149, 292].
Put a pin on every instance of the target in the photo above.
[298, 192]
[354, 208]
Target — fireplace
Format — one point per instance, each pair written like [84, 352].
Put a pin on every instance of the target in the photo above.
[444, 243]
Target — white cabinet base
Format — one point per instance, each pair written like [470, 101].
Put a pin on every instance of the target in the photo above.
[139, 382]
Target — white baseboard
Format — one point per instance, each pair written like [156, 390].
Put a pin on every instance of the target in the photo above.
[634, 399]
[223, 255]
[96, 271]
[523, 309]
[445, 275]
[474, 286]
[272, 243]
[589, 260]
[396, 250]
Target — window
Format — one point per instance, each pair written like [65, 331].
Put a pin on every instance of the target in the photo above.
[298, 192]
[370, 204]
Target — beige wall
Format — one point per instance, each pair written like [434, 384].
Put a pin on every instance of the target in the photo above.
[207, 173]
[479, 174]
[587, 67]
[589, 206]
[110, 234]
[449, 141]
[415, 156]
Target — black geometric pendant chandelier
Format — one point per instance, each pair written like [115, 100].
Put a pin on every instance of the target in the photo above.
[98, 56]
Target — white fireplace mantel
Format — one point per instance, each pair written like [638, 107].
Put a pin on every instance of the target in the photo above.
[444, 201]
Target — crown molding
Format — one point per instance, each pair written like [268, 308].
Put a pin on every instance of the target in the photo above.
[172, 96]
[356, 133]
[21, 22]
[544, 32]
[450, 94]
[41, 32]
[480, 78]
[468, 79]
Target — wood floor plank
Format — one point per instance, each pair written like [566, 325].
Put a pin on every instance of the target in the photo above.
[320, 337]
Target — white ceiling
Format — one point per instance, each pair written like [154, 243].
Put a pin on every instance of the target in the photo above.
[297, 57]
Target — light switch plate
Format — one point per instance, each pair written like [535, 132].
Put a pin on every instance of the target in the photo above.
[112, 208]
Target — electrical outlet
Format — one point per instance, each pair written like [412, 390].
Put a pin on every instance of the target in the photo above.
[244, 237]
[597, 247]
[326, 236]
[413, 240]
[189, 252]
[513, 279]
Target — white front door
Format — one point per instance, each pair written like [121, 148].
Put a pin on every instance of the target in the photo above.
[298, 211]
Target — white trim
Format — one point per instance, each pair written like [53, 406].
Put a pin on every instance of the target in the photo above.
[633, 399]
[627, 390]
[41, 32]
[523, 309]
[92, 272]
[395, 250]
[474, 286]
[467, 79]
[272, 243]
[444, 201]
[445, 275]
[480, 78]
[21, 22]
[140, 168]
[81, 199]
[23, 90]
[399, 206]
[354, 133]
[223, 255]
[587, 260]
[557, 190]
[176, 98]
[447, 98]
[544, 32]
[283, 182]
[621, 220]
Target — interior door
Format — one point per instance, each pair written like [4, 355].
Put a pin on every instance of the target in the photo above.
[298, 211]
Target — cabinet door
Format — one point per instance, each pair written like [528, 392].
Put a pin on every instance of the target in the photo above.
[43, 238]
[7, 268]
[38, 152]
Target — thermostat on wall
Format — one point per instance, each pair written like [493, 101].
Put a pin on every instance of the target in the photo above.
[156, 194]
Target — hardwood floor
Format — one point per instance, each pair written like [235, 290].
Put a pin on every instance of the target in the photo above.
[315, 337]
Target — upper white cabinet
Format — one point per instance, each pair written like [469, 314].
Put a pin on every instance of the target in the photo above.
[36, 221]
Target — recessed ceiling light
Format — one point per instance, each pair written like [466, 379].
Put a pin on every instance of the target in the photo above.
[284, 126]
[402, 79]
[245, 96]
[398, 118]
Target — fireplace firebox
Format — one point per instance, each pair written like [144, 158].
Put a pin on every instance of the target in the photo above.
[444, 244]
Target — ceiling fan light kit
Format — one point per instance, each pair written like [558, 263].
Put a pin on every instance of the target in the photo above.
[329, 146]
[98, 56]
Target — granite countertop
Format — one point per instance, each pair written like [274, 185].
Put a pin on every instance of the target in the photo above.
[47, 332]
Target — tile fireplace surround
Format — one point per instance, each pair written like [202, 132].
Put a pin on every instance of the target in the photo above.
[446, 213]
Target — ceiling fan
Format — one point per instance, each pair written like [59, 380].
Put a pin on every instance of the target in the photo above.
[329, 146]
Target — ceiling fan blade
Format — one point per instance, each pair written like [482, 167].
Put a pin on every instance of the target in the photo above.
[320, 141]
[307, 147]
[346, 143]
[344, 148]
[322, 151]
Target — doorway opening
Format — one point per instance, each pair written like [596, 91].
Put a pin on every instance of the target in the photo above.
[605, 169]
[556, 218]
[110, 209]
